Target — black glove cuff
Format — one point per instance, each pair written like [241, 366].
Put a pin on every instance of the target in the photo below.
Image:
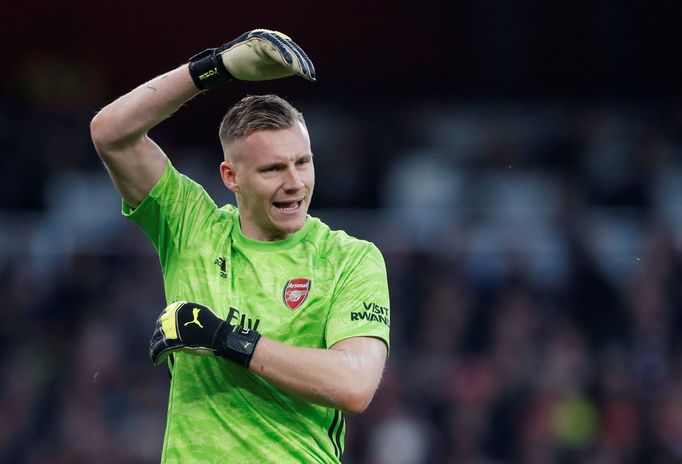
[207, 70]
[236, 344]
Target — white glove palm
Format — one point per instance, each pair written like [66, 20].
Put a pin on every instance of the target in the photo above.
[261, 55]
[257, 55]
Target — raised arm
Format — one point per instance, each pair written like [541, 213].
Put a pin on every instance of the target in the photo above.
[119, 131]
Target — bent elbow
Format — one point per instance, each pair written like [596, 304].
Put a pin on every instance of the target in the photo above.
[109, 136]
[98, 133]
[356, 401]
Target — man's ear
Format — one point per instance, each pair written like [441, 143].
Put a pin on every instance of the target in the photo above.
[229, 176]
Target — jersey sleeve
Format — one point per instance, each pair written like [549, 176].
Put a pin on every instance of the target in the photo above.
[173, 212]
[360, 305]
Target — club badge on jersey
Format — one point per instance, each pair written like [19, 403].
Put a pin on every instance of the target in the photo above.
[296, 292]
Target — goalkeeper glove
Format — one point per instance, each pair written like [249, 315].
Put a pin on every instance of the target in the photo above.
[195, 329]
[257, 55]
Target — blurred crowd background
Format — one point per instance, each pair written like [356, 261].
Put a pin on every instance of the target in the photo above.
[519, 165]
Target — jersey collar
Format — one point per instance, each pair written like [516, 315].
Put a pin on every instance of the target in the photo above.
[277, 245]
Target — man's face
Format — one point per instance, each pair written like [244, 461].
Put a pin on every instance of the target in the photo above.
[272, 175]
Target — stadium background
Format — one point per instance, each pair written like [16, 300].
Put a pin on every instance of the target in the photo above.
[519, 163]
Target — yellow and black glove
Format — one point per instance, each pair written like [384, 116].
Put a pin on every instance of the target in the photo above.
[195, 329]
[257, 55]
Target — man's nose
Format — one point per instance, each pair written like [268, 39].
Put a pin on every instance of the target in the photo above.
[293, 179]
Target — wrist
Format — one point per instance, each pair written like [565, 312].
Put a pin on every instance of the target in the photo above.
[236, 344]
[208, 70]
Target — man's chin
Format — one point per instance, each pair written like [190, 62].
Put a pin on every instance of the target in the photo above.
[281, 229]
[291, 227]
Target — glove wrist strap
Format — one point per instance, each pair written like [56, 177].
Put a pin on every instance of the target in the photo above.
[236, 344]
[208, 71]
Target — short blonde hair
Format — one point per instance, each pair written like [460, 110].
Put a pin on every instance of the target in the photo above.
[257, 112]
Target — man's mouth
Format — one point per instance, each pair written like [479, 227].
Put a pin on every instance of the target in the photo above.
[287, 206]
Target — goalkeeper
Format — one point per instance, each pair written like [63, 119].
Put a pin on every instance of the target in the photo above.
[276, 325]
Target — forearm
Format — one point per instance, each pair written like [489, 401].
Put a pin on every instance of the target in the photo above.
[127, 120]
[119, 131]
[344, 377]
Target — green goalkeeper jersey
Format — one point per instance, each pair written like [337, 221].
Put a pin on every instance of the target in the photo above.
[312, 289]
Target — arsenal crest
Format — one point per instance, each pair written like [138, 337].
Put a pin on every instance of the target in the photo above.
[296, 292]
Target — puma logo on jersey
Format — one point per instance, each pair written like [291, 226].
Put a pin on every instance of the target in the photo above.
[195, 313]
